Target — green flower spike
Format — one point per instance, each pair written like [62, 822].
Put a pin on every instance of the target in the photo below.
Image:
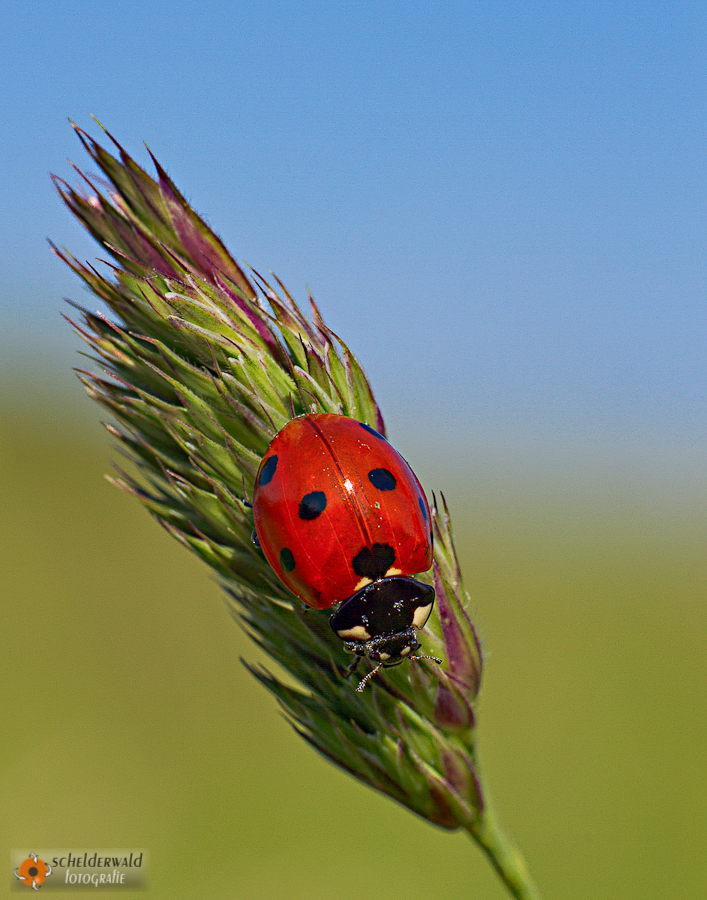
[203, 365]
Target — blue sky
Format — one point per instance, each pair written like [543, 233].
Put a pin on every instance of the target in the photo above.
[501, 205]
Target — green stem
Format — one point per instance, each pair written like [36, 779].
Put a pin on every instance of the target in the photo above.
[505, 857]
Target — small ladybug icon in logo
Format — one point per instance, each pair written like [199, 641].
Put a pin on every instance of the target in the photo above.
[33, 871]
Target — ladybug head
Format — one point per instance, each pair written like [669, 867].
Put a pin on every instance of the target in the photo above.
[382, 619]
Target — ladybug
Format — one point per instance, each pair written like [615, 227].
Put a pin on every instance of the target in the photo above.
[341, 518]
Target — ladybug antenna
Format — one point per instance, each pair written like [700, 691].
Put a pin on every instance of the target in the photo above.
[433, 658]
[363, 681]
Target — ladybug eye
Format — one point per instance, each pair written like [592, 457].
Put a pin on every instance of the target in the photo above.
[382, 479]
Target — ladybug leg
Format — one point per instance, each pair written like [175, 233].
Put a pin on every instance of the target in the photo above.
[354, 665]
[254, 534]
[244, 498]
[364, 681]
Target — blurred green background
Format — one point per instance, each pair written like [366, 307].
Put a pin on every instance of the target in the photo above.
[129, 721]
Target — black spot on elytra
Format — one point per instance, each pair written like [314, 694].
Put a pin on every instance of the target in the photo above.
[267, 471]
[312, 505]
[373, 562]
[423, 508]
[372, 431]
[382, 479]
[287, 559]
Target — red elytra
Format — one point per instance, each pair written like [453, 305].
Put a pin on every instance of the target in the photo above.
[336, 507]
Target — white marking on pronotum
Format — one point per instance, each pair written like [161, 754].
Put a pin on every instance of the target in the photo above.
[357, 633]
[421, 615]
